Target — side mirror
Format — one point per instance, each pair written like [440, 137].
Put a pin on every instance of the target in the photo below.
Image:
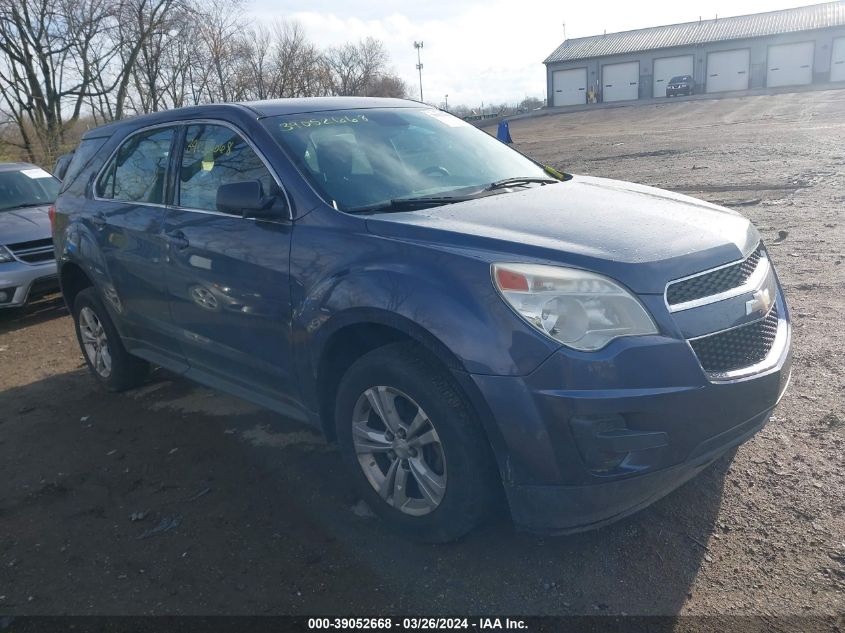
[247, 199]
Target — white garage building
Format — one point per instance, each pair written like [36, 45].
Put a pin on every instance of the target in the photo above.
[791, 47]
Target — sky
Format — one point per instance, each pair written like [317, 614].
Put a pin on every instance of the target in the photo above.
[485, 52]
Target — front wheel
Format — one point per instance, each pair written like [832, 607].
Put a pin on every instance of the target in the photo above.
[418, 457]
[108, 360]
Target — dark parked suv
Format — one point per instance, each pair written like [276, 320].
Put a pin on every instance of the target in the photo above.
[462, 320]
[680, 86]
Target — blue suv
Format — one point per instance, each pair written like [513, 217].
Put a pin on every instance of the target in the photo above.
[467, 324]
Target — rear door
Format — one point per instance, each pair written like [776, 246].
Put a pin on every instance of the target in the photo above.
[126, 215]
[227, 276]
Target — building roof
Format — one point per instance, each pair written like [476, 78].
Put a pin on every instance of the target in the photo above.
[816, 16]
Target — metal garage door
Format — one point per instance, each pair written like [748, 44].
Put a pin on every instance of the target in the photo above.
[837, 60]
[790, 64]
[570, 86]
[667, 67]
[621, 82]
[728, 70]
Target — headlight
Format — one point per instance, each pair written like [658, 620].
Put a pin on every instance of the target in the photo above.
[582, 310]
[5, 255]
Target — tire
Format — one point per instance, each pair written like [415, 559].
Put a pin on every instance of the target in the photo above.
[113, 366]
[449, 476]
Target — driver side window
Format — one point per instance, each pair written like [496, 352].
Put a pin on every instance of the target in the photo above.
[216, 155]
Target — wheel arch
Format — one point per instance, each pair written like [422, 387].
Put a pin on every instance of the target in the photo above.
[355, 337]
[73, 279]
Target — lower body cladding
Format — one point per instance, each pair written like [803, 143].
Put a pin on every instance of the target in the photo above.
[20, 282]
[635, 421]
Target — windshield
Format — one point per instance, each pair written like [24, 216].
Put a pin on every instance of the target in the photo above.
[364, 158]
[27, 188]
[680, 79]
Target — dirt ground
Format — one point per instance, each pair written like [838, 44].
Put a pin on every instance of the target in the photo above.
[171, 499]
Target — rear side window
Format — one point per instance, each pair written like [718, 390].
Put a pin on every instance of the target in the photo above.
[138, 172]
[216, 155]
[81, 156]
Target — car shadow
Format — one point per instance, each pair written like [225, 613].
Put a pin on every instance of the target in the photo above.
[256, 515]
[643, 565]
[37, 311]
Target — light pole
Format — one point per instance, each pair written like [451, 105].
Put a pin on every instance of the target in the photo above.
[418, 46]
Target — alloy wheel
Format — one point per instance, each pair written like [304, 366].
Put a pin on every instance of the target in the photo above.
[399, 450]
[95, 342]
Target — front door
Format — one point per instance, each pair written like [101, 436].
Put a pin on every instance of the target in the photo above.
[227, 275]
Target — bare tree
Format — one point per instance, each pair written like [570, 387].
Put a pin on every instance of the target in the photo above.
[50, 54]
[388, 85]
[258, 65]
[138, 22]
[222, 50]
[362, 70]
[69, 63]
[298, 64]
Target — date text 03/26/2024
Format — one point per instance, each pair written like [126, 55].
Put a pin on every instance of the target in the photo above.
[415, 624]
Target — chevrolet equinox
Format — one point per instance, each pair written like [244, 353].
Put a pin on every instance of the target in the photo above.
[467, 324]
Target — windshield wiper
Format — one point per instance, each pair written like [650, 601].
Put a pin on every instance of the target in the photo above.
[520, 180]
[409, 204]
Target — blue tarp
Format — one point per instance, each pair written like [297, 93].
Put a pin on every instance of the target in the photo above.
[504, 132]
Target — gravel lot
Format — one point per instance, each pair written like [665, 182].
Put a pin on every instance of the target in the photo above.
[171, 499]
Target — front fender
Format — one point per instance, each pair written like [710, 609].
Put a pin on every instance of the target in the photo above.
[453, 311]
[343, 275]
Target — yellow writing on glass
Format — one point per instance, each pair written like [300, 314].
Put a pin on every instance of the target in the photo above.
[223, 149]
[290, 126]
[220, 149]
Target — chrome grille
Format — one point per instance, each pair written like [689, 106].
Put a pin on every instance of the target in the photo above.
[713, 282]
[739, 347]
[33, 252]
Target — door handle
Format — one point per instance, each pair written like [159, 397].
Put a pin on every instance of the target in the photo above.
[176, 239]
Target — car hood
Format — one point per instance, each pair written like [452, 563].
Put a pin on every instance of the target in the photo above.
[640, 235]
[24, 225]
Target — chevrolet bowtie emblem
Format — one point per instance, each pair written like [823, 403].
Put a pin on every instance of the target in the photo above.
[761, 301]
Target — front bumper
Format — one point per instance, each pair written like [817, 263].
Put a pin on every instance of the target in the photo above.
[646, 397]
[19, 281]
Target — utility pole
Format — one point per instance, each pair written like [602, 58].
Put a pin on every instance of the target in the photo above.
[418, 46]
